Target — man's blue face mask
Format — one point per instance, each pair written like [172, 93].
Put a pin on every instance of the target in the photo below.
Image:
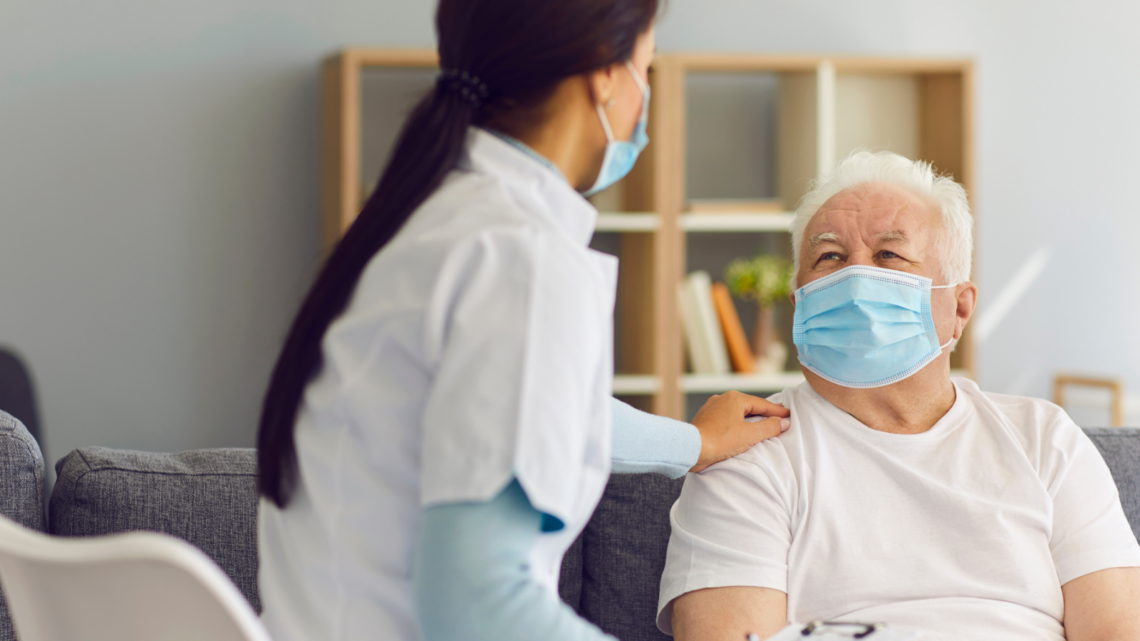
[866, 326]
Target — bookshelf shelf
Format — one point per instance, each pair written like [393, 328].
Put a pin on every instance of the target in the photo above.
[636, 385]
[792, 116]
[628, 222]
[736, 222]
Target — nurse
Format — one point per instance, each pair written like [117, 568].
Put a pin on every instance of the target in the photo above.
[439, 427]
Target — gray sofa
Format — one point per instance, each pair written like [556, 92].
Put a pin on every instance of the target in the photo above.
[21, 489]
[209, 498]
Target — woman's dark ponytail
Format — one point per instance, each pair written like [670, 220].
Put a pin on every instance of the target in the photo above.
[501, 60]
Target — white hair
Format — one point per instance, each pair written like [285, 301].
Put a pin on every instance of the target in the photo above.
[955, 248]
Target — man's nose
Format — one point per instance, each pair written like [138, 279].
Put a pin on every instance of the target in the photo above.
[861, 257]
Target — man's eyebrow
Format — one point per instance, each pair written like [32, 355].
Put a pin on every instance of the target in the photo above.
[895, 235]
[819, 239]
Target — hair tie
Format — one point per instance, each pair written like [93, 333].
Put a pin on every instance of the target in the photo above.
[466, 85]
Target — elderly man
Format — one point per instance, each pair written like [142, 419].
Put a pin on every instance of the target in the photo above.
[900, 495]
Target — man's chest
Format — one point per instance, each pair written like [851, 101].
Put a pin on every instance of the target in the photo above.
[963, 518]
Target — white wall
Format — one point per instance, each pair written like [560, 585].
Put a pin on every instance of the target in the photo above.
[159, 203]
[159, 184]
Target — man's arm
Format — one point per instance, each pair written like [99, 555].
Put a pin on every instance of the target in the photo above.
[720, 614]
[1103, 606]
[731, 532]
[1093, 546]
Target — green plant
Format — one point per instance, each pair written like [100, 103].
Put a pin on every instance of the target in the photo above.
[764, 279]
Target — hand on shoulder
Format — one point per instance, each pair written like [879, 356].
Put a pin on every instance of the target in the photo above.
[733, 422]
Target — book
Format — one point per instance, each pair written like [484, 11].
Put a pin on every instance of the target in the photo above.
[707, 351]
[710, 326]
[739, 352]
[699, 360]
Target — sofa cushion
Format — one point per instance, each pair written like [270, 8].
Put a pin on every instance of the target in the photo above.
[570, 580]
[21, 489]
[206, 497]
[623, 551]
[21, 475]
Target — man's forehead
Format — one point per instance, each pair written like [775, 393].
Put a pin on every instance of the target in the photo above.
[873, 210]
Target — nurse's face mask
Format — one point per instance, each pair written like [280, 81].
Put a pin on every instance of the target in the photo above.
[622, 154]
[865, 326]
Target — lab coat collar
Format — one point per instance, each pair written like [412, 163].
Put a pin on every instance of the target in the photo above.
[537, 187]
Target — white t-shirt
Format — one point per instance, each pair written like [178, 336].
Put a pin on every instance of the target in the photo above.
[965, 531]
[477, 347]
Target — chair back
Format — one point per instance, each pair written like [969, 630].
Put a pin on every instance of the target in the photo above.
[140, 586]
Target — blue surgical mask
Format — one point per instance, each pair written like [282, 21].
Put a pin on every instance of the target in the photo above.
[866, 326]
[622, 154]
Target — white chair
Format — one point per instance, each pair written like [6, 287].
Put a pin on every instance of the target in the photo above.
[139, 586]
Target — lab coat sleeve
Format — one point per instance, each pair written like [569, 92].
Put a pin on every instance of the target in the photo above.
[520, 326]
[471, 578]
[645, 442]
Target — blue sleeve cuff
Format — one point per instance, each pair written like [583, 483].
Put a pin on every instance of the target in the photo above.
[472, 579]
[644, 442]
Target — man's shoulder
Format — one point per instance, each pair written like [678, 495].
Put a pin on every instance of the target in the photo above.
[1039, 424]
[793, 394]
[1021, 410]
[769, 459]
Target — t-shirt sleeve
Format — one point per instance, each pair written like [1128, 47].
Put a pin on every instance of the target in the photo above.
[1090, 531]
[517, 326]
[731, 527]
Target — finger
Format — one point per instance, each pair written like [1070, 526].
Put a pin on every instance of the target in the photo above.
[757, 405]
[768, 428]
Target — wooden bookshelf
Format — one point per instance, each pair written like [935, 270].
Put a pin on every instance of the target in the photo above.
[341, 179]
[828, 105]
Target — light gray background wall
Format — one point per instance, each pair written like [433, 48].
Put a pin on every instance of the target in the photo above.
[159, 184]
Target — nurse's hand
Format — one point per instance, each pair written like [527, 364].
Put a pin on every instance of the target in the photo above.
[725, 432]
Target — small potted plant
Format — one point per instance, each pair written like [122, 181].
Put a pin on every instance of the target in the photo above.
[765, 280]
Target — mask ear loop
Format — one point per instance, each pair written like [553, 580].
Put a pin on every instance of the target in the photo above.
[951, 341]
[636, 78]
[601, 112]
[605, 123]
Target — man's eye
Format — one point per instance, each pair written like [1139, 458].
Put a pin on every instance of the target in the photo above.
[829, 256]
[888, 254]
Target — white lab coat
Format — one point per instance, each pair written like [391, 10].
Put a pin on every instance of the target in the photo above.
[476, 348]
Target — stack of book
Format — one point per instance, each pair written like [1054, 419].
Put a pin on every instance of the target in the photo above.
[714, 337]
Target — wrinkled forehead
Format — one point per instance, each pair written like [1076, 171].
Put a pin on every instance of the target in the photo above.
[873, 210]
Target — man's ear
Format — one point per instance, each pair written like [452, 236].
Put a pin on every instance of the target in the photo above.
[967, 299]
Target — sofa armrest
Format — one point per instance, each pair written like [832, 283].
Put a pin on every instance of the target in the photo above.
[21, 489]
